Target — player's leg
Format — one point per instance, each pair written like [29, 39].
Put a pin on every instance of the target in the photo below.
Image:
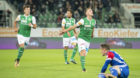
[123, 72]
[21, 41]
[65, 45]
[82, 59]
[115, 71]
[65, 54]
[74, 43]
[82, 50]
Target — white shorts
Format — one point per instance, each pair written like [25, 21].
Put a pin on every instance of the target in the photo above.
[21, 39]
[69, 41]
[83, 45]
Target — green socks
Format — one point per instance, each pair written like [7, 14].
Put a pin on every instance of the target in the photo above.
[82, 59]
[20, 52]
[74, 52]
[65, 55]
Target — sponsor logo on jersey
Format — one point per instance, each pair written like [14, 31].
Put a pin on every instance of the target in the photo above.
[87, 25]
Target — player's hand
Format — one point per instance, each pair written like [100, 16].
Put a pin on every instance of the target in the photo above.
[92, 36]
[61, 32]
[76, 36]
[16, 29]
[30, 24]
[68, 34]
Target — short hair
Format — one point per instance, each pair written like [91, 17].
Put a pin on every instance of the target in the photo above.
[26, 6]
[105, 46]
[87, 9]
[69, 10]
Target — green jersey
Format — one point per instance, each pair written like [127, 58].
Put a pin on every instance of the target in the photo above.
[67, 22]
[86, 28]
[24, 28]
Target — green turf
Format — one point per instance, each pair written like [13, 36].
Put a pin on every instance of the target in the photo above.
[37, 63]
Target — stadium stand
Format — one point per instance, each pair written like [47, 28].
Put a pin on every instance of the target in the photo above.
[49, 13]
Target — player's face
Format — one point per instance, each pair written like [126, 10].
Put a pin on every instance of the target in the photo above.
[89, 12]
[69, 14]
[27, 11]
[103, 51]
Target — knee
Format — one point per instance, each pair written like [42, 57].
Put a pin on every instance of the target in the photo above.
[21, 45]
[83, 53]
[65, 47]
[114, 70]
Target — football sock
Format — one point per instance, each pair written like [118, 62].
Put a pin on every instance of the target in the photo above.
[65, 55]
[20, 52]
[74, 52]
[82, 59]
[113, 72]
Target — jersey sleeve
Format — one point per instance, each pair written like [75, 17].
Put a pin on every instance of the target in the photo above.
[18, 18]
[63, 22]
[81, 22]
[107, 62]
[74, 21]
[110, 56]
[95, 22]
[33, 20]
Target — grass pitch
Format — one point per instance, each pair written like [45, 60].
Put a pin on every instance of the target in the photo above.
[49, 63]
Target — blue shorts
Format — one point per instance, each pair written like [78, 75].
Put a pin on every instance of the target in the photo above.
[124, 72]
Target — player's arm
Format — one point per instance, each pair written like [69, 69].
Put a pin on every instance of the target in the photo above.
[81, 22]
[33, 24]
[75, 33]
[105, 66]
[110, 56]
[92, 33]
[63, 27]
[15, 23]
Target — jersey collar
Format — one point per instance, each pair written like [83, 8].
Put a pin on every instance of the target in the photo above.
[26, 16]
[69, 18]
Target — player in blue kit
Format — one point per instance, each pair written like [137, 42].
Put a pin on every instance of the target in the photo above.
[119, 68]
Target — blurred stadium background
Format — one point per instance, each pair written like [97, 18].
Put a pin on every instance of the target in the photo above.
[118, 21]
[118, 24]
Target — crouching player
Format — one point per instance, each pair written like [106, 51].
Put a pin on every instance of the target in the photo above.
[119, 68]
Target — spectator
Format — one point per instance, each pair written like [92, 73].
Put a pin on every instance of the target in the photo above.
[76, 15]
[80, 10]
[100, 7]
[108, 5]
[20, 5]
[59, 19]
[116, 17]
[110, 19]
[43, 9]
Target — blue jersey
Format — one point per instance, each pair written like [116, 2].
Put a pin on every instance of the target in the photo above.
[113, 59]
